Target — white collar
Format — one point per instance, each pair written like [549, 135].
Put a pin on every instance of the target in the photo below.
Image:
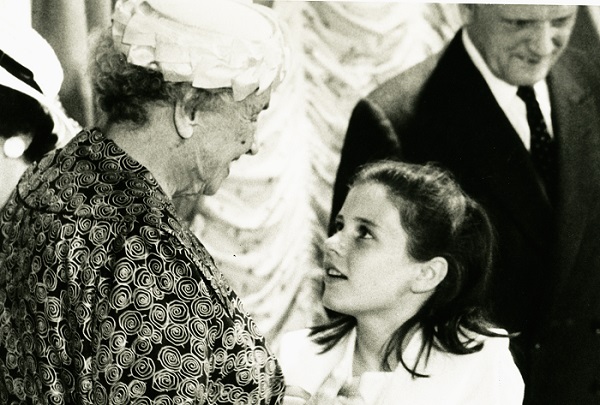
[503, 92]
[506, 94]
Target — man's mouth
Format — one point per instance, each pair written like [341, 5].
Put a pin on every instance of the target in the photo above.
[532, 60]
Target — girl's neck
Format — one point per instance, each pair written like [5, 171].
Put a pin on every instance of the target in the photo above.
[369, 349]
[370, 346]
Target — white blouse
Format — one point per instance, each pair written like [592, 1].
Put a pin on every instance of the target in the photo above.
[488, 377]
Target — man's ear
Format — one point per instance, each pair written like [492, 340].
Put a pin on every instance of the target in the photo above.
[430, 275]
[466, 12]
[185, 117]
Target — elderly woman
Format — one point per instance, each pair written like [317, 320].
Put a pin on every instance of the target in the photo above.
[405, 286]
[32, 121]
[105, 297]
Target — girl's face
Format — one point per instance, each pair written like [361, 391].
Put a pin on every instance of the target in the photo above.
[367, 267]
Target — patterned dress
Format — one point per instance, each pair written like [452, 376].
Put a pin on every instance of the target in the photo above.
[106, 298]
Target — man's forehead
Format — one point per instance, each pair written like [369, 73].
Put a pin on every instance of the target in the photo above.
[532, 12]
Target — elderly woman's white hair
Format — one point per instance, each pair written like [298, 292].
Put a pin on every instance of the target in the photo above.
[211, 44]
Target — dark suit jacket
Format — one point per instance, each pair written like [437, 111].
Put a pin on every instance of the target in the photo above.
[547, 281]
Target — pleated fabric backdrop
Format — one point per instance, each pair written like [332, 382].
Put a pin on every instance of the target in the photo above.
[265, 227]
[267, 223]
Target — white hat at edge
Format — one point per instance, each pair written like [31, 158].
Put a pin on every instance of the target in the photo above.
[29, 65]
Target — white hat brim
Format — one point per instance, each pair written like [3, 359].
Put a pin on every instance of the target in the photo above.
[64, 127]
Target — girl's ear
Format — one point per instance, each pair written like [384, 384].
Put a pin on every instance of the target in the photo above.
[430, 275]
[185, 117]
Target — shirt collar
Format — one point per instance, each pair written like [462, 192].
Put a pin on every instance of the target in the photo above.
[503, 92]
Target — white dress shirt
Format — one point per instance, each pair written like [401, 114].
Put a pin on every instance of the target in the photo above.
[506, 95]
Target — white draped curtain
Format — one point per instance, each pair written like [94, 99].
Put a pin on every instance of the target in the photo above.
[267, 223]
[265, 227]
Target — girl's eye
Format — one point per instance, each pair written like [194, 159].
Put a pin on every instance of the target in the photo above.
[339, 225]
[363, 232]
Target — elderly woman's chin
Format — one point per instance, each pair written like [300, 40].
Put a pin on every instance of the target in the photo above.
[211, 189]
[212, 185]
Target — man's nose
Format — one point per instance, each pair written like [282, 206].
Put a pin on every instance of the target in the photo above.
[544, 40]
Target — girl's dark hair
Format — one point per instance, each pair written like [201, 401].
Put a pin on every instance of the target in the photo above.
[21, 114]
[124, 90]
[440, 220]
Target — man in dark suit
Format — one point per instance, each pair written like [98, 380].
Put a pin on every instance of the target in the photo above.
[515, 116]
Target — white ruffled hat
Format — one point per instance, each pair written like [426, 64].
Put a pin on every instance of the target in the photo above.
[210, 43]
[29, 65]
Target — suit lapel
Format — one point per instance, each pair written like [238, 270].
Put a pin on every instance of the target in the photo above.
[499, 163]
[576, 127]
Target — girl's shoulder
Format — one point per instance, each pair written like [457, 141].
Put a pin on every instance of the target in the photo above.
[297, 349]
[300, 336]
[463, 379]
[499, 342]
[304, 363]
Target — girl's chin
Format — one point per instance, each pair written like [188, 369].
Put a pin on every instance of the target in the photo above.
[331, 303]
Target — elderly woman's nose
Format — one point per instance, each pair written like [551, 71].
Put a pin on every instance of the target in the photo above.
[253, 149]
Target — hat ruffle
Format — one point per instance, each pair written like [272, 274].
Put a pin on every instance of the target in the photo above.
[204, 57]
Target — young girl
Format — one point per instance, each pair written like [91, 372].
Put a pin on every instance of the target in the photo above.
[405, 280]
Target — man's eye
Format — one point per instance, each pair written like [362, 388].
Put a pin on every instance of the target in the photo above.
[363, 232]
[560, 22]
[519, 23]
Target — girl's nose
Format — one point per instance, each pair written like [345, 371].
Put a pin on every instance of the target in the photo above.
[334, 243]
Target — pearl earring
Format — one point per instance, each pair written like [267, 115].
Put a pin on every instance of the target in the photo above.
[15, 146]
[186, 132]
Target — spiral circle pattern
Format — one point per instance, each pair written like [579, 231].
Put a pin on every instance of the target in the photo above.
[105, 297]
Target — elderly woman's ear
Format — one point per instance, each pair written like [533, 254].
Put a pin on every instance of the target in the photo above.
[185, 115]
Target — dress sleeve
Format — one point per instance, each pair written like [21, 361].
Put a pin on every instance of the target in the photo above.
[156, 324]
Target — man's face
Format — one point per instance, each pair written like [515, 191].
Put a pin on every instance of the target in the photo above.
[520, 43]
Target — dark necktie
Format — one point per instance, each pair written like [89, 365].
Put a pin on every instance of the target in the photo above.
[543, 147]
